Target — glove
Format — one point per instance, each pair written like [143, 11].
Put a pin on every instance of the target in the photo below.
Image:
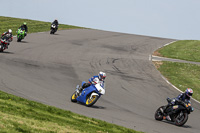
[173, 101]
[93, 82]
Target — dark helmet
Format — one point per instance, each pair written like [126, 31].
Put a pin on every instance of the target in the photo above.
[189, 92]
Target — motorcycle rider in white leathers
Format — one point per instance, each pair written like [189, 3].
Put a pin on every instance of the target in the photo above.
[97, 79]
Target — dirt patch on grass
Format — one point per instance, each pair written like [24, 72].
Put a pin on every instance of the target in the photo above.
[156, 53]
[157, 64]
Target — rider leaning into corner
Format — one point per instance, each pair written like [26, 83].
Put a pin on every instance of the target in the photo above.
[24, 26]
[9, 34]
[56, 23]
[185, 97]
[97, 79]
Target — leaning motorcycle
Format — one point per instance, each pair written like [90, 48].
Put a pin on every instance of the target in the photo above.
[180, 112]
[89, 95]
[20, 34]
[53, 29]
[4, 43]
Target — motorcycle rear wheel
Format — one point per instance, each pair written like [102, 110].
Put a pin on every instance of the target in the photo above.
[158, 114]
[91, 101]
[73, 97]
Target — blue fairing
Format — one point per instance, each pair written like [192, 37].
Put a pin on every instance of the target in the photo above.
[85, 92]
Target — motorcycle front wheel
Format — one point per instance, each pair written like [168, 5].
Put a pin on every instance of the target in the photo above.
[52, 32]
[73, 97]
[91, 100]
[18, 40]
[1, 47]
[181, 118]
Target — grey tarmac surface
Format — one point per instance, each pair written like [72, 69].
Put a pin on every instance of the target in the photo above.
[46, 68]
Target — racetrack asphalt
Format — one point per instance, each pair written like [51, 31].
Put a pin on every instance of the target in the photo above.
[46, 68]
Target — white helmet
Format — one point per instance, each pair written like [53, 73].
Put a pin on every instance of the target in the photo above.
[9, 31]
[102, 75]
[189, 92]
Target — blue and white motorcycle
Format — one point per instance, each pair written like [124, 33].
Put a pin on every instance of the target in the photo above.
[89, 95]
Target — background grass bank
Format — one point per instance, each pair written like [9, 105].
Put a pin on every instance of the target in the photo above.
[185, 50]
[182, 75]
[33, 25]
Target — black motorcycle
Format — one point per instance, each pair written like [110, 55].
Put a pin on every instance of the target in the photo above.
[53, 28]
[180, 112]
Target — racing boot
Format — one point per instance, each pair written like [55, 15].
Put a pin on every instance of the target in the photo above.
[168, 118]
[79, 91]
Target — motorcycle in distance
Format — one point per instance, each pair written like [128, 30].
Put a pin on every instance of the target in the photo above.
[53, 29]
[20, 34]
[89, 95]
[4, 43]
[180, 112]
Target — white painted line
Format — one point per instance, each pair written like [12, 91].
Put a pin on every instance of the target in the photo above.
[156, 60]
[157, 56]
[168, 43]
[150, 57]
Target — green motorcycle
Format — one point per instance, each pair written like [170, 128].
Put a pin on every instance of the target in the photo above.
[20, 34]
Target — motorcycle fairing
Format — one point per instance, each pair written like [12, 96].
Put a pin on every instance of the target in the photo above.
[85, 92]
[175, 106]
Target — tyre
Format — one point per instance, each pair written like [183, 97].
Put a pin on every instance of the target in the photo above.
[181, 118]
[52, 32]
[1, 48]
[159, 114]
[18, 40]
[73, 97]
[91, 100]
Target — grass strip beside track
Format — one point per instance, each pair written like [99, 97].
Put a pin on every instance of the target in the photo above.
[181, 75]
[33, 25]
[21, 115]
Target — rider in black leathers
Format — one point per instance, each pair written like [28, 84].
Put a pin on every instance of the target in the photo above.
[56, 23]
[185, 97]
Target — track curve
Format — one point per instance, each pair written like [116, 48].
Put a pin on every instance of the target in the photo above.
[46, 68]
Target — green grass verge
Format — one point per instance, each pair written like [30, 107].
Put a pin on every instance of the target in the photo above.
[33, 25]
[21, 115]
[186, 50]
[182, 75]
